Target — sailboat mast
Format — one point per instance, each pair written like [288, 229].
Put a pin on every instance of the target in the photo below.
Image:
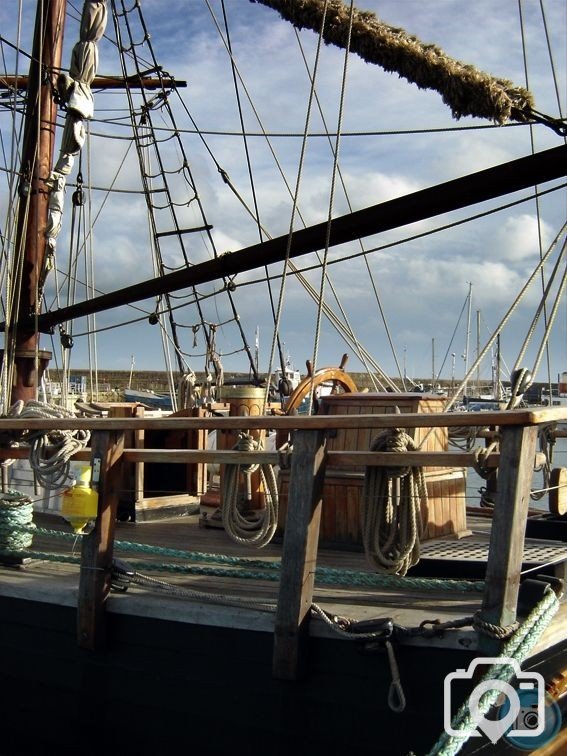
[478, 352]
[37, 158]
[468, 336]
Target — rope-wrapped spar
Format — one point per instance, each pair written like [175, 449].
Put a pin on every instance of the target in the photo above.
[466, 90]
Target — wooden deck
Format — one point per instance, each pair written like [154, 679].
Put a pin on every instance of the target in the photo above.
[154, 658]
[56, 582]
[495, 555]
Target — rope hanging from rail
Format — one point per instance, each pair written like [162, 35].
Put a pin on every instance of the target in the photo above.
[393, 500]
[52, 471]
[251, 529]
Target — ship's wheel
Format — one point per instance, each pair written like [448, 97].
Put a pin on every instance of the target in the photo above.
[339, 381]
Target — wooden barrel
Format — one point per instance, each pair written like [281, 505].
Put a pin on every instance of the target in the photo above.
[244, 401]
[342, 490]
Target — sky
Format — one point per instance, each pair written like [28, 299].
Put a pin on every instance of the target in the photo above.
[407, 301]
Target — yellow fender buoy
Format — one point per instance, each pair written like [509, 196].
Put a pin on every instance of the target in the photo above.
[80, 502]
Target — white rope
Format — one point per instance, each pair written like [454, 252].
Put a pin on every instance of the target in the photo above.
[249, 529]
[392, 499]
[52, 472]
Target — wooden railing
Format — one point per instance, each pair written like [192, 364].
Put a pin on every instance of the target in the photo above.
[518, 435]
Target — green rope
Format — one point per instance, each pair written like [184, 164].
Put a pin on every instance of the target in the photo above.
[324, 575]
[45, 556]
[16, 527]
[518, 648]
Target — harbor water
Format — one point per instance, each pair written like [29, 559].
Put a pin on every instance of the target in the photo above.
[539, 492]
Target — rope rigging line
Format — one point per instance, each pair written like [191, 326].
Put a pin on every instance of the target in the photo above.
[504, 320]
[164, 104]
[357, 346]
[549, 321]
[255, 214]
[141, 130]
[537, 203]
[215, 252]
[551, 61]
[297, 135]
[335, 151]
[350, 256]
[294, 208]
[344, 329]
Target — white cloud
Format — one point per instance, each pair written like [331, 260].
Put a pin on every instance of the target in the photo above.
[518, 238]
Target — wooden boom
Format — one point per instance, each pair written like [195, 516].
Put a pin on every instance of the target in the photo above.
[426, 203]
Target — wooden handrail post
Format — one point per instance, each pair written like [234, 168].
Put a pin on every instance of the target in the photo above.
[97, 546]
[299, 554]
[506, 549]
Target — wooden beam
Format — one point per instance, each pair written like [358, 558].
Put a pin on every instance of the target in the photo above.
[105, 82]
[426, 203]
[334, 458]
[507, 534]
[201, 457]
[299, 553]
[139, 466]
[97, 546]
[532, 416]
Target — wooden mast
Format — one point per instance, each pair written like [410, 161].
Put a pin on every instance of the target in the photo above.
[37, 158]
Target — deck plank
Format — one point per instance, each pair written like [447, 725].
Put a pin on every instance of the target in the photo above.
[58, 583]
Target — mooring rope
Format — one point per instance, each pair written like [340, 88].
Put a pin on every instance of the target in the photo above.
[324, 575]
[392, 502]
[16, 527]
[517, 648]
[256, 529]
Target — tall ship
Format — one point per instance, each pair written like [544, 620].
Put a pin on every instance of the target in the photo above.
[261, 557]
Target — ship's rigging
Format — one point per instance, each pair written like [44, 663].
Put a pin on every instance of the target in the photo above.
[177, 217]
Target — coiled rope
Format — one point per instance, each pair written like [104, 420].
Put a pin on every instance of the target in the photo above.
[252, 529]
[16, 527]
[52, 470]
[393, 500]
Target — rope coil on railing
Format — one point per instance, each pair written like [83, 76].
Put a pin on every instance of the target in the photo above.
[52, 471]
[393, 500]
[481, 456]
[252, 529]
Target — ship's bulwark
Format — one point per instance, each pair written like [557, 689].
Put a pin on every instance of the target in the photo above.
[164, 687]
